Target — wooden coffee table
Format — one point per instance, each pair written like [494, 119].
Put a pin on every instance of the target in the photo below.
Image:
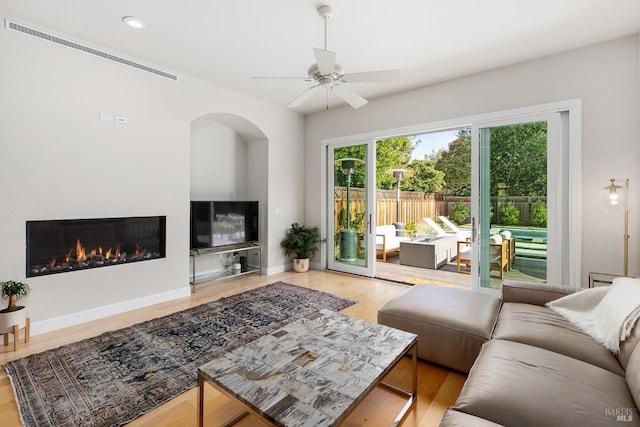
[314, 371]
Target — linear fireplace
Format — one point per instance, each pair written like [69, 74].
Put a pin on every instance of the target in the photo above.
[60, 246]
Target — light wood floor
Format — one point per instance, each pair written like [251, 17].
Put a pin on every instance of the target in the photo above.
[446, 276]
[438, 387]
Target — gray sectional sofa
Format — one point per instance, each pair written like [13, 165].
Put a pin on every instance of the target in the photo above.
[537, 369]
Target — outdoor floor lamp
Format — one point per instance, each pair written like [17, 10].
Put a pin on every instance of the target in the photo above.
[398, 174]
[610, 198]
[348, 236]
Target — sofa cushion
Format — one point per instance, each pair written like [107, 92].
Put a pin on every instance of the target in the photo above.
[532, 293]
[633, 375]
[540, 327]
[453, 418]
[520, 385]
[628, 346]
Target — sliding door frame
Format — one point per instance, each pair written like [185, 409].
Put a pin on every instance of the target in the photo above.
[556, 192]
[571, 113]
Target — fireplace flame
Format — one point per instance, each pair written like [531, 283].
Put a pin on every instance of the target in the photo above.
[80, 252]
[80, 257]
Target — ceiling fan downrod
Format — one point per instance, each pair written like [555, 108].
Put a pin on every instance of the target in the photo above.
[325, 14]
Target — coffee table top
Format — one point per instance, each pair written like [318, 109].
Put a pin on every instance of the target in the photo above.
[311, 372]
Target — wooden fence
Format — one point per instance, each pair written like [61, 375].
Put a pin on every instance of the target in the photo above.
[415, 206]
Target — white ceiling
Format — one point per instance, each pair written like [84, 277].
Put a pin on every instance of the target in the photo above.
[229, 42]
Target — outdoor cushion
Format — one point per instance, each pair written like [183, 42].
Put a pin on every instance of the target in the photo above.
[496, 238]
[506, 234]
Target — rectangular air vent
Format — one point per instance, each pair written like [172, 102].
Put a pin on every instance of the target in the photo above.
[12, 25]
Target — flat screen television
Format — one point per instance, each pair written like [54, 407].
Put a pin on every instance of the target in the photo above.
[221, 223]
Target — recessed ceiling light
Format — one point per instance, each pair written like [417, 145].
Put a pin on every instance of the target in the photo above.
[134, 22]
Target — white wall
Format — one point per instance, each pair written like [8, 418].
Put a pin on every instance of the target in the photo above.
[225, 166]
[58, 160]
[218, 162]
[605, 76]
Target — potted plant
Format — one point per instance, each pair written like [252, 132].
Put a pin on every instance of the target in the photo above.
[13, 314]
[300, 242]
[13, 291]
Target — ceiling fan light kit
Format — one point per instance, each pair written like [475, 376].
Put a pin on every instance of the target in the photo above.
[329, 75]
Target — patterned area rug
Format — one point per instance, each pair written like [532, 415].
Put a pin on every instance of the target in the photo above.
[115, 377]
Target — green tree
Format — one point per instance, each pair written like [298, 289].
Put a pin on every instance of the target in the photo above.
[392, 153]
[358, 179]
[519, 159]
[426, 178]
[455, 162]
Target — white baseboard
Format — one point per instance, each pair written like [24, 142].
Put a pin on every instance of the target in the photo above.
[316, 266]
[277, 269]
[67, 320]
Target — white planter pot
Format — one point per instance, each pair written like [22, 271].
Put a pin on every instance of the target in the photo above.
[301, 265]
[7, 320]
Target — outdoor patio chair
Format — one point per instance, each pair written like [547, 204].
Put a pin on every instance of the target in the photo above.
[464, 255]
[498, 255]
[450, 225]
[511, 247]
[435, 227]
[462, 234]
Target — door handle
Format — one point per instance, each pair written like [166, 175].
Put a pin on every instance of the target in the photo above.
[369, 223]
[474, 231]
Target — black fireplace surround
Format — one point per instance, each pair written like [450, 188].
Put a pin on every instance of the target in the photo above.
[60, 246]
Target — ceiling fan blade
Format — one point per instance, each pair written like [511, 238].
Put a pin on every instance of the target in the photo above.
[298, 79]
[326, 61]
[371, 76]
[348, 95]
[303, 97]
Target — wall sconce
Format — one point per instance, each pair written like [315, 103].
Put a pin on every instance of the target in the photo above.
[615, 197]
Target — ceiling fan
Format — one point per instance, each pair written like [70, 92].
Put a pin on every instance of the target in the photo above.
[329, 75]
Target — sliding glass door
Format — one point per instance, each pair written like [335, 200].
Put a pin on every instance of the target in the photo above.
[516, 208]
[350, 207]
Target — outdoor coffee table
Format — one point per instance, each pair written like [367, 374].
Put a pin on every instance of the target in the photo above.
[312, 372]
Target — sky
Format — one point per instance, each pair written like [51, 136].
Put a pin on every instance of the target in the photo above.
[433, 142]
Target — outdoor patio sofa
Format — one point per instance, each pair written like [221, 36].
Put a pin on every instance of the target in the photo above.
[388, 238]
[528, 365]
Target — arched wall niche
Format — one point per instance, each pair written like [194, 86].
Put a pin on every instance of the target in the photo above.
[229, 162]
